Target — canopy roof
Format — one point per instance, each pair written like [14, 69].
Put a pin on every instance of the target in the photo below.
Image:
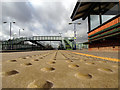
[83, 9]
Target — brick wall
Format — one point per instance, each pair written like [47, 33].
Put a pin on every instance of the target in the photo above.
[116, 48]
[107, 44]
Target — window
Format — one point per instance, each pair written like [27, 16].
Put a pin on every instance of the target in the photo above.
[94, 21]
[110, 13]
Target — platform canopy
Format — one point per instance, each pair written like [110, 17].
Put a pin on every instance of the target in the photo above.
[83, 9]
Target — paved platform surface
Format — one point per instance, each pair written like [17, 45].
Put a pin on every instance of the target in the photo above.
[109, 54]
[57, 69]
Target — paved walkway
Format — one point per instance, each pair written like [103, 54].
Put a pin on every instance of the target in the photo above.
[114, 54]
[57, 69]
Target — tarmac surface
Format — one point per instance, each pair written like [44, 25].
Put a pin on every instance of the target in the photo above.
[57, 69]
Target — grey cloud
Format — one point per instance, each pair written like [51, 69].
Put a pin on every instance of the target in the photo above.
[17, 10]
[47, 19]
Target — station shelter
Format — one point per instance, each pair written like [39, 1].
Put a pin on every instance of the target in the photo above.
[103, 23]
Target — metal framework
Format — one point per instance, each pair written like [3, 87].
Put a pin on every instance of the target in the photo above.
[67, 42]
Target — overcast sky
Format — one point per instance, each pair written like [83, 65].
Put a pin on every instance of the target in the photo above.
[43, 18]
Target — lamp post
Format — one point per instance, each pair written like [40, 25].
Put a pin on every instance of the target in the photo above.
[60, 34]
[10, 27]
[19, 32]
[10, 33]
[75, 33]
[61, 39]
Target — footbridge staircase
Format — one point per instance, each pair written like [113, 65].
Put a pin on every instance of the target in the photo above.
[66, 42]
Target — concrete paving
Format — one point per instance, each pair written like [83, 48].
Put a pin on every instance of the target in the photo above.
[57, 69]
[110, 54]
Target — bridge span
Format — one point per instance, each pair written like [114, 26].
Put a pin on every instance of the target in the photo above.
[43, 38]
[66, 42]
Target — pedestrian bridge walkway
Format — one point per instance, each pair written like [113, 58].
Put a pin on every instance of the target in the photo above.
[66, 42]
[43, 38]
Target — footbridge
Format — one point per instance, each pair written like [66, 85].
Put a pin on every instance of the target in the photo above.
[66, 42]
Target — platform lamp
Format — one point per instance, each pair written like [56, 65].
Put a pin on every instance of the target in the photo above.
[74, 48]
[61, 37]
[19, 32]
[10, 27]
[60, 34]
[10, 33]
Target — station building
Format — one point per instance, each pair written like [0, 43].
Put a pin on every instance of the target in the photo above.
[103, 23]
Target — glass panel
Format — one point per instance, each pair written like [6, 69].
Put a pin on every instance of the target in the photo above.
[110, 13]
[106, 17]
[94, 21]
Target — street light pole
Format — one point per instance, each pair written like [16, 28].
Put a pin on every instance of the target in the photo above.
[10, 33]
[75, 33]
[10, 27]
[19, 32]
[60, 34]
[75, 36]
[61, 39]
[10, 30]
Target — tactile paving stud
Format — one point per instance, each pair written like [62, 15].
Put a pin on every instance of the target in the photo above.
[48, 69]
[73, 65]
[51, 62]
[90, 63]
[12, 61]
[105, 69]
[32, 85]
[69, 61]
[12, 72]
[83, 76]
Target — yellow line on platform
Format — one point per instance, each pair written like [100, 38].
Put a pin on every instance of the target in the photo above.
[106, 58]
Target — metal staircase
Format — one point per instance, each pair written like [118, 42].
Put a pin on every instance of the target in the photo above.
[68, 42]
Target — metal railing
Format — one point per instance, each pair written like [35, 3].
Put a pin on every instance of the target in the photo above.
[35, 39]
